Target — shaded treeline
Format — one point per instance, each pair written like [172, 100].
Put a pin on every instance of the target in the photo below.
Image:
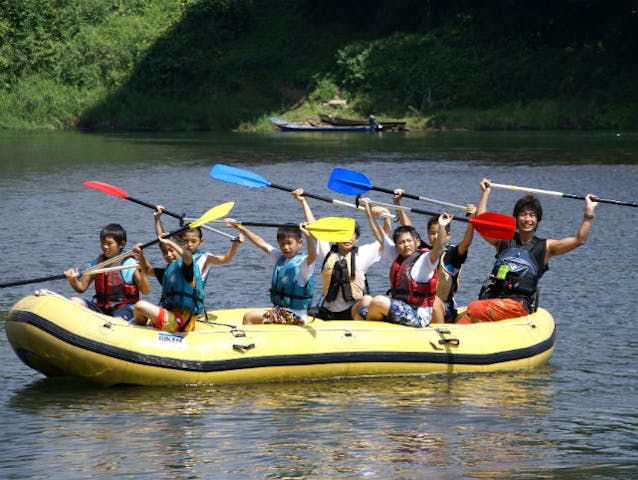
[214, 64]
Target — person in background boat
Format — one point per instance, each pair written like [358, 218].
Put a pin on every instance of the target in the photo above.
[511, 291]
[116, 291]
[372, 122]
[182, 294]
[413, 276]
[343, 269]
[453, 257]
[292, 283]
[192, 240]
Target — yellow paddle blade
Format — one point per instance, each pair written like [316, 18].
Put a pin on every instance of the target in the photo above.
[332, 229]
[212, 214]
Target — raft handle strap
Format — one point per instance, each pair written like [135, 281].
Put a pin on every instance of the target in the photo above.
[451, 341]
[243, 348]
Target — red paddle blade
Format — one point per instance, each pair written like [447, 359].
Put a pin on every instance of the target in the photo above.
[107, 188]
[495, 225]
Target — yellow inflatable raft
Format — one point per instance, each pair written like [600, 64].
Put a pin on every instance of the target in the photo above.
[53, 336]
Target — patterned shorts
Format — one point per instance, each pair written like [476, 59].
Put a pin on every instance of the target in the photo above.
[404, 314]
[281, 316]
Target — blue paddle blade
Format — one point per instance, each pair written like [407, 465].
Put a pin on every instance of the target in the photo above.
[238, 176]
[348, 182]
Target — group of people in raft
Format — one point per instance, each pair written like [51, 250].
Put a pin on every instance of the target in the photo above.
[423, 275]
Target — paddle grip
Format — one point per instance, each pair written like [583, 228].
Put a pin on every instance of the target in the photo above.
[602, 200]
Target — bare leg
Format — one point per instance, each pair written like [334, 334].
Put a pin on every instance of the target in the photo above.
[254, 317]
[438, 311]
[379, 308]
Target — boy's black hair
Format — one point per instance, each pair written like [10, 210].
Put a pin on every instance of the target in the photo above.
[406, 229]
[434, 220]
[198, 230]
[528, 202]
[114, 230]
[289, 231]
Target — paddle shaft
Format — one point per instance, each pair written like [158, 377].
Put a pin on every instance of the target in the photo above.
[118, 192]
[423, 199]
[334, 201]
[561, 194]
[215, 212]
[92, 270]
[416, 210]
[180, 217]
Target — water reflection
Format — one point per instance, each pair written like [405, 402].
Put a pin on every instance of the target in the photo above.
[398, 425]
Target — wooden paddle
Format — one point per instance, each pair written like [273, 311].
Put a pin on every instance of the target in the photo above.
[118, 192]
[249, 179]
[351, 182]
[560, 194]
[212, 214]
[488, 224]
[329, 229]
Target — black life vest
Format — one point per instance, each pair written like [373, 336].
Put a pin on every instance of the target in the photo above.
[341, 277]
[516, 272]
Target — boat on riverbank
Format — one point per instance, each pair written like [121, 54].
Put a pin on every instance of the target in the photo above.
[343, 122]
[58, 338]
[294, 127]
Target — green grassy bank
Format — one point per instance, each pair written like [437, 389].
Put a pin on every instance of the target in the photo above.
[229, 65]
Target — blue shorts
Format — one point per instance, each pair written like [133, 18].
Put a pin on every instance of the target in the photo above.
[125, 311]
[404, 314]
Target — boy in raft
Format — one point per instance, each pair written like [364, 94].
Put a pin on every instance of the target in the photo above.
[292, 282]
[182, 294]
[192, 240]
[413, 277]
[343, 269]
[453, 258]
[511, 289]
[116, 292]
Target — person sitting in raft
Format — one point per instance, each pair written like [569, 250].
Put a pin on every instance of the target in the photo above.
[454, 256]
[116, 291]
[343, 270]
[292, 282]
[413, 277]
[511, 289]
[205, 260]
[192, 240]
[182, 295]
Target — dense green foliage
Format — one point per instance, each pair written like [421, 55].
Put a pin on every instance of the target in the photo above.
[212, 64]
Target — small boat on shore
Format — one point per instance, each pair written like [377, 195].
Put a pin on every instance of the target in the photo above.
[54, 336]
[342, 122]
[294, 127]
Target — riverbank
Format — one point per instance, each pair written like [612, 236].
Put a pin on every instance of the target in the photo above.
[201, 65]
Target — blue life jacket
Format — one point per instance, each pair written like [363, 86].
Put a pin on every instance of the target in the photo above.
[284, 290]
[177, 293]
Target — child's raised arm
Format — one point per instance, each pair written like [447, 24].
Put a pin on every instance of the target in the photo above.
[311, 244]
[298, 194]
[378, 232]
[253, 237]
[229, 255]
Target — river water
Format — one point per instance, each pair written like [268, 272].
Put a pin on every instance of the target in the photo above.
[575, 418]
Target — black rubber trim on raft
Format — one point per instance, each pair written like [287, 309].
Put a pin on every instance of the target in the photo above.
[277, 360]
